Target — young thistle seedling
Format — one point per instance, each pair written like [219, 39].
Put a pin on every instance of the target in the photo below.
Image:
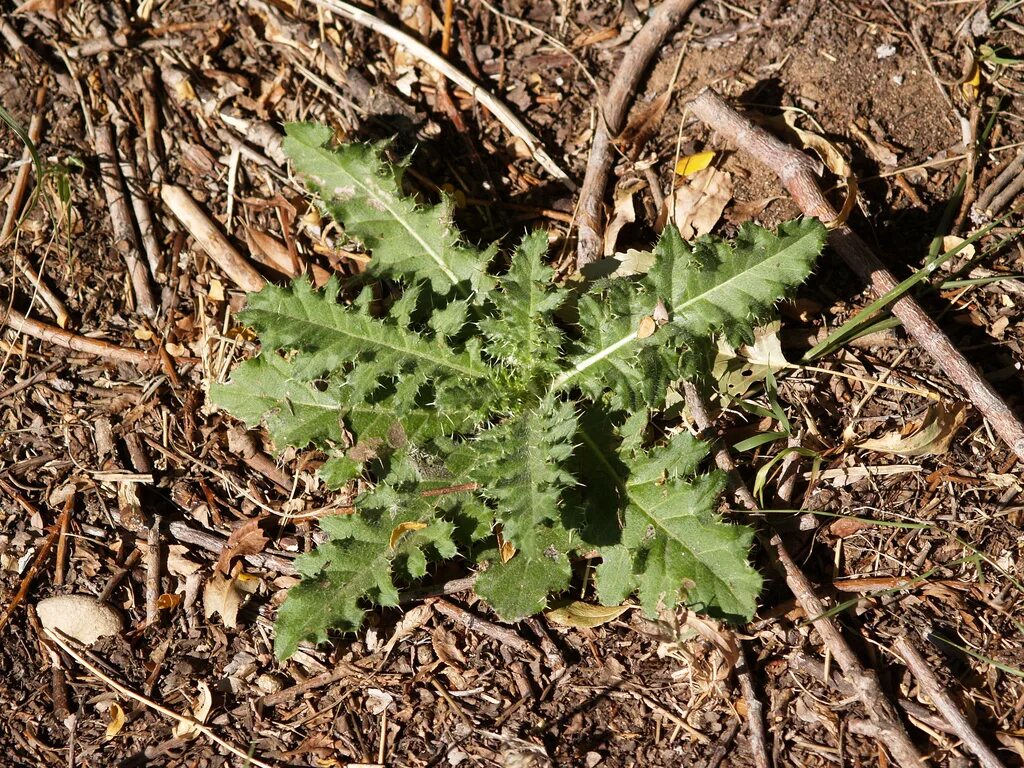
[498, 416]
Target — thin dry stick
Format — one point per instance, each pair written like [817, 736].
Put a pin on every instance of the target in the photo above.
[125, 239]
[944, 703]
[477, 624]
[503, 114]
[795, 170]
[209, 238]
[128, 692]
[40, 558]
[16, 321]
[755, 710]
[621, 93]
[17, 195]
[143, 214]
[863, 681]
[153, 572]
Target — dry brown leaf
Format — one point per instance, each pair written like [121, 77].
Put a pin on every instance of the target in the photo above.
[178, 564]
[246, 539]
[833, 160]
[624, 212]
[271, 252]
[931, 436]
[224, 594]
[445, 645]
[643, 125]
[200, 711]
[648, 325]
[699, 201]
[579, 615]
[880, 153]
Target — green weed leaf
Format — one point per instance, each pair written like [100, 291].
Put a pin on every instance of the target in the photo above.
[502, 419]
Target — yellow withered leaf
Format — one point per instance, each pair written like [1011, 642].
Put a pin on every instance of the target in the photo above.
[117, 720]
[578, 614]
[693, 163]
[410, 525]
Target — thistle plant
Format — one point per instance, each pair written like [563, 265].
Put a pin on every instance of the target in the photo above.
[497, 415]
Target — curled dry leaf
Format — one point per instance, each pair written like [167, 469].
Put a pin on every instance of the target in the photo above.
[246, 539]
[398, 530]
[578, 614]
[224, 595]
[931, 436]
[623, 214]
[833, 160]
[200, 711]
[699, 201]
[116, 720]
[445, 645]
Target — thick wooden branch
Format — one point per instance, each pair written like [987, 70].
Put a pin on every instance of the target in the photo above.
[615, 108]
[796, 172]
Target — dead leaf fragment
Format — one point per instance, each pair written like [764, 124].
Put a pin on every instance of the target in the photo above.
[699, 201]
[224, 595]
[624, 212]
[833, 160]
[246, 539]
[737, 370]
[116, 721]
[445, 645]
[409, 525]
[691, 164]
[648, 325]
[200, 711]
[931, 436]
[578, 614]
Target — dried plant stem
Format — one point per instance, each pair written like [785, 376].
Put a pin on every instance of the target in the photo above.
[129, 693]
[795, 170]
[944, 703]
[16, 321]
[209, 238]
[863, 682]
[502, 113]
[615, 108]
[475, 623]
[125, 239]
[37, 563]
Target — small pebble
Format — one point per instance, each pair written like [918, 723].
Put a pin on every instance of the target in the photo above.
[885, 50]
[79, 617]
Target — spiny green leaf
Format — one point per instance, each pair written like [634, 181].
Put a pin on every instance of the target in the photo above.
[711, 287]
[518, 465]
[521, 587]
[522, 333]
[363, 191]
[678, 546]
[357, 566]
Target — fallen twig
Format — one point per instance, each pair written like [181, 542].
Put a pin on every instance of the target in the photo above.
[17, 194]
[16, 321]
[209, 238]
[795, 170]
[863, 681]
[610, 123]
[37, 563]
[476, 623]
[943, 702]
[503, 114]
[755, 710]
[125, 239]
[246, 758]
